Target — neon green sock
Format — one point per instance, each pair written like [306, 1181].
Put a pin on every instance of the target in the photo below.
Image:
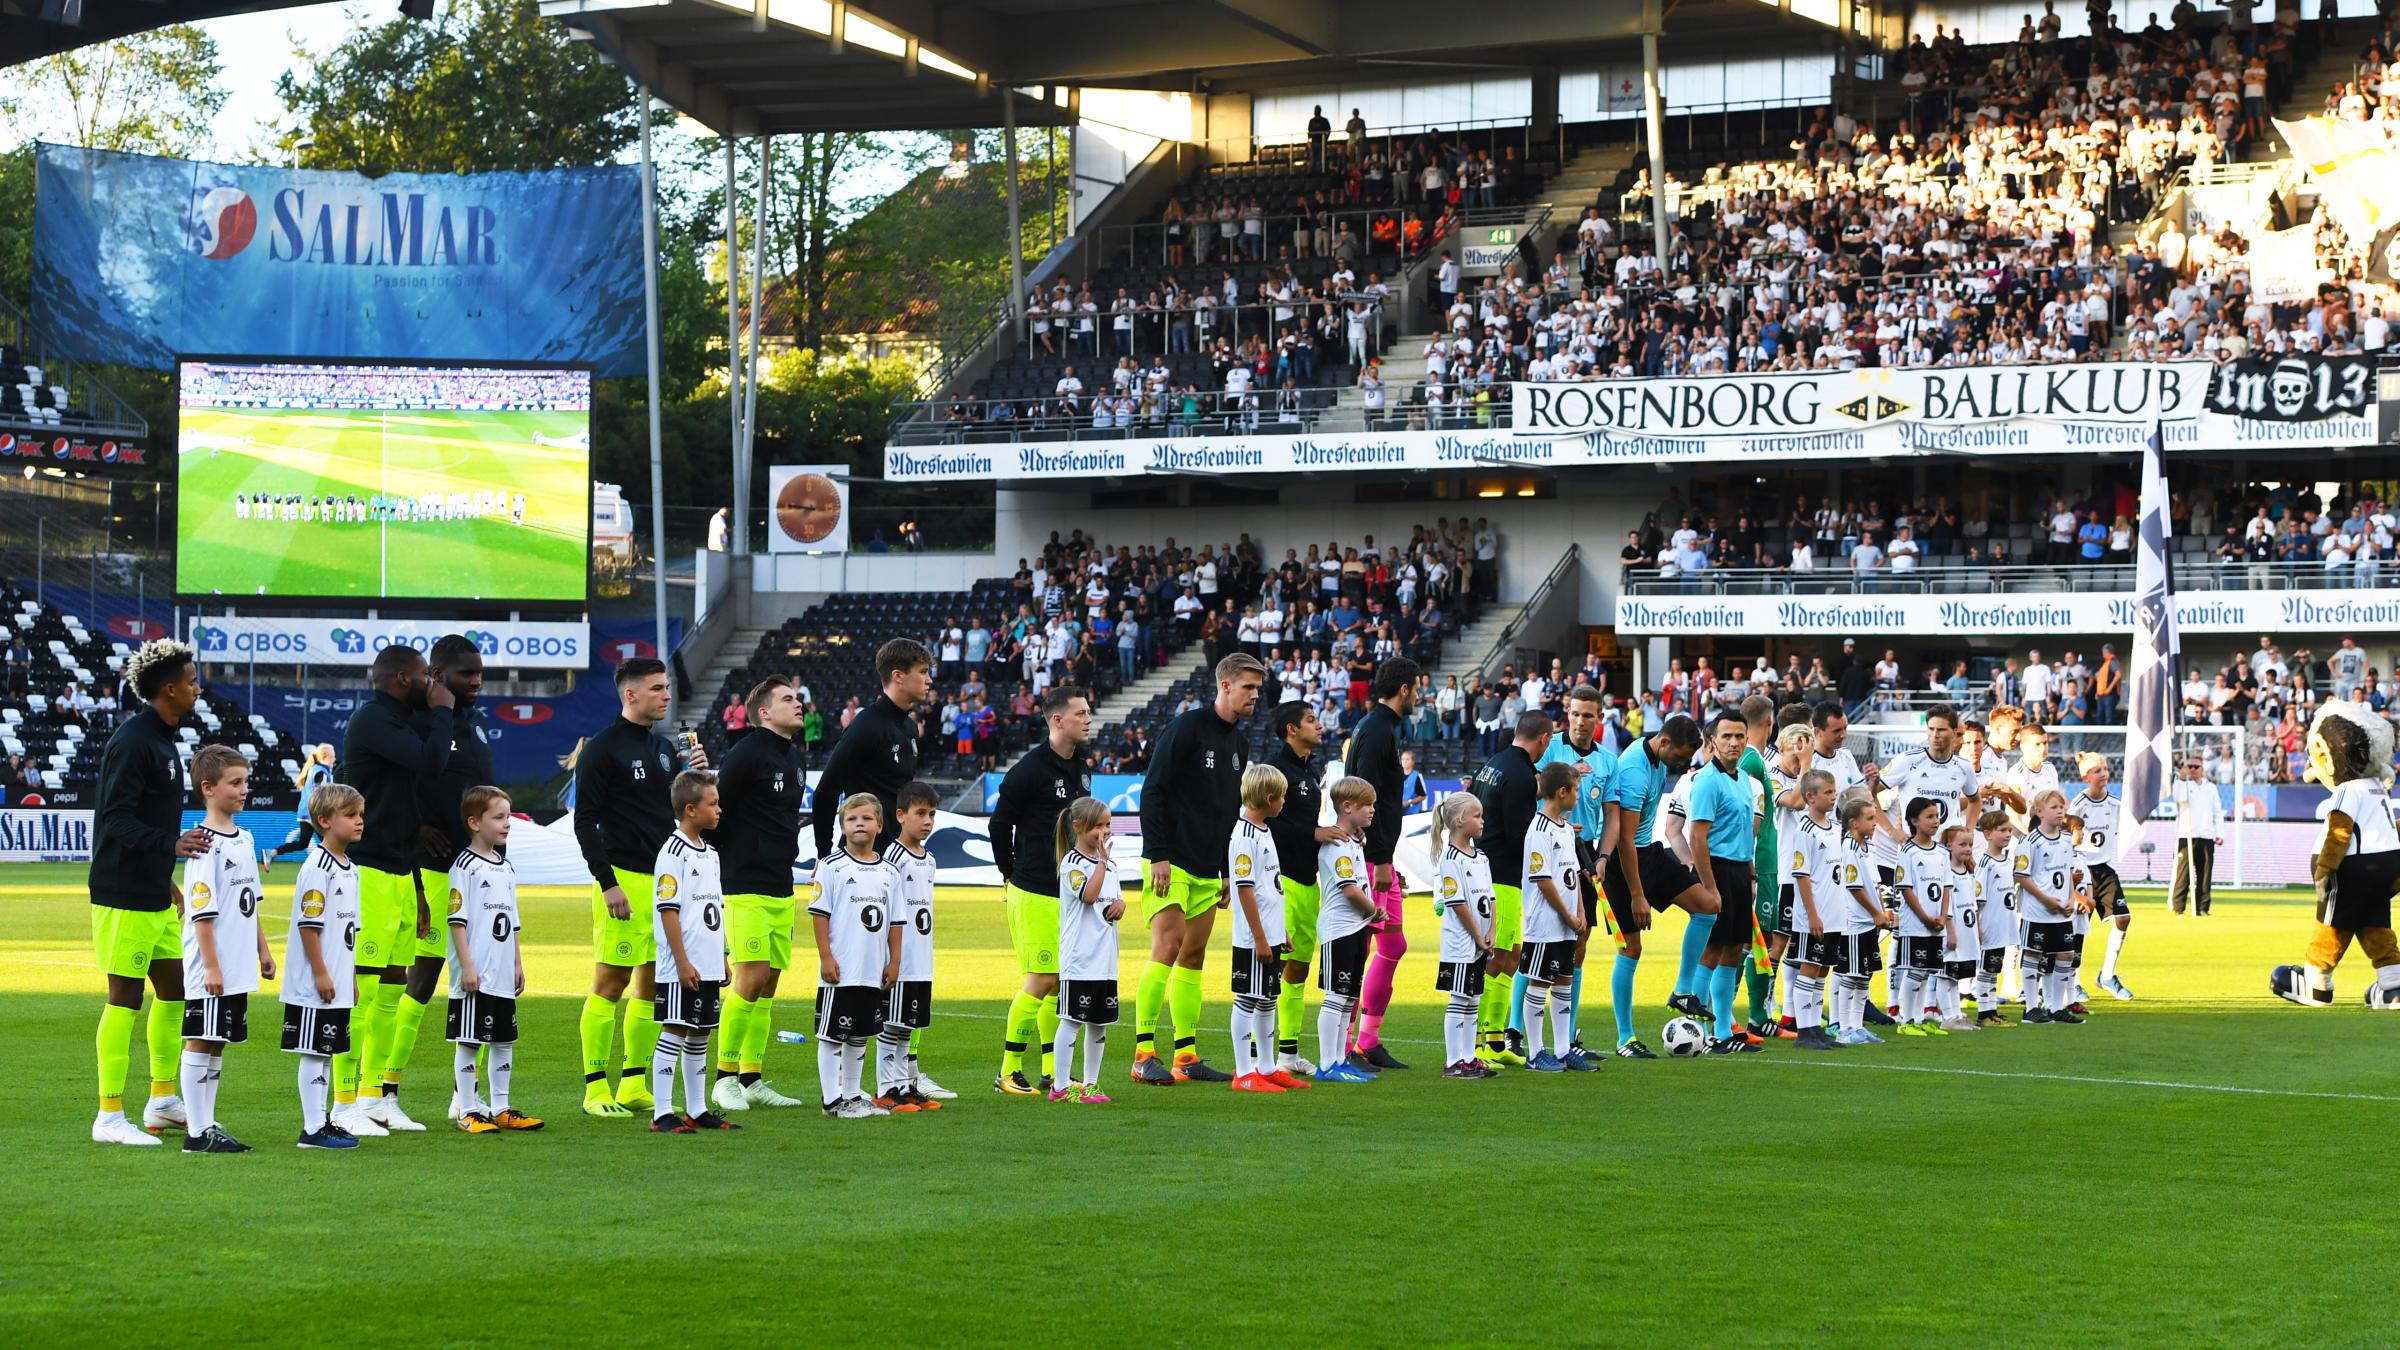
[1290, 1006]
[1149, 999]
[1046, 1023]
[407, 1016]
[732, 1026]
[1024, 1010]
[757, 1035]
[916, 1042]
[366, 1043]
[1491, 1015]
[1183, 1004]
[641, 1037]
[165, 1033]
[599, 1026]
[1759, 987]
[114, 1044]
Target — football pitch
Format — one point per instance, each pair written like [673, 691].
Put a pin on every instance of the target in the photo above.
[230, 452]
[2195, 1167]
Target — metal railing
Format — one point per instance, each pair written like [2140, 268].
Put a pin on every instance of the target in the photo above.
[1504, 643]
[1946, 576]
[1287, 151]
[1187, 410]
[91, 406]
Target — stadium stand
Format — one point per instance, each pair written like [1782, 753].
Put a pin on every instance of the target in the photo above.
[41, 391]
[63, 694]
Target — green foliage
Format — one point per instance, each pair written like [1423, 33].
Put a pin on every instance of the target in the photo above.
[488, 86]
[153, 93]
[16, 227]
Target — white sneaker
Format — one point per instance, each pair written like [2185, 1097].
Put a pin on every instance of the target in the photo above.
[456, 1110]
[763, 1093]
[356, 1119]
[392, 1118]
[926, 1087]
[163, 1113]
[1961, 1024]
[850, 1108]
[111, 1127]
[728, 1095]
[2116, 989]
[1295, 1066]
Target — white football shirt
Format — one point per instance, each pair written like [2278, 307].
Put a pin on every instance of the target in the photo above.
[222, 887]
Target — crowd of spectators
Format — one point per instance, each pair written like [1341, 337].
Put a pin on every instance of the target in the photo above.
[205, 385]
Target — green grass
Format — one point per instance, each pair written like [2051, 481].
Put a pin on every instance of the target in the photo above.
[2193, 1168]
[226, 452]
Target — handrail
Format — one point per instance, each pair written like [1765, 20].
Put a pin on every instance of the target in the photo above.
[1506, 640]
[1220, 413]
[1948, 577]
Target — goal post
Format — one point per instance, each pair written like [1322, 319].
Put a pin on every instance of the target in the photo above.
[2228, 758]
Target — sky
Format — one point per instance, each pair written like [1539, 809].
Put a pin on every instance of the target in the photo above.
[256, 49]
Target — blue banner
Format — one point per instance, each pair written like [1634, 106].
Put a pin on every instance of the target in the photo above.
[138, 260]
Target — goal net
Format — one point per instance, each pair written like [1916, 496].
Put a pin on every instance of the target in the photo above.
[2229, 761]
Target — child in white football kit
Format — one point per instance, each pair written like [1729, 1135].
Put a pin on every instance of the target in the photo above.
[909, 1010]
[487, 969]
[687, 924]
[1254, 882]
[1089, 904]
[1995, 835]
[1462, 894]
[1857, 919]
[320, 965]
[2049, 892]
[1346, 920]
[1553, 918]
[225, 954]
[2098, 819]
[1962, 942]
[1924, 917]
[1817, 890]
[858, 956]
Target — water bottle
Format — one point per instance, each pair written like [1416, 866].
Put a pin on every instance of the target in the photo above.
[792, 1037]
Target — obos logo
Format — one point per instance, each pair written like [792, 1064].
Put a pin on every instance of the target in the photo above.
[220, 222]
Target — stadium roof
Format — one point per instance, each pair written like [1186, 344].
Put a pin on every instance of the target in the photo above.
[775, 65]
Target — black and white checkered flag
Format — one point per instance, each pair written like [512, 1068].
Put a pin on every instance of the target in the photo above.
[2153, 691]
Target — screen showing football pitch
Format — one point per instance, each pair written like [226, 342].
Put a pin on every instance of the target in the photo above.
[378, 480]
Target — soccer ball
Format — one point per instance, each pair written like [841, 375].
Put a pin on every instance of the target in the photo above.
[1684, 1038]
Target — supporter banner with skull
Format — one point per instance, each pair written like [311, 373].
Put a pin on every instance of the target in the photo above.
[2293, 388]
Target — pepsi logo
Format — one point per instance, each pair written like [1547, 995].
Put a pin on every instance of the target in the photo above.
[221, 222]
[524, 714]
[136, 629]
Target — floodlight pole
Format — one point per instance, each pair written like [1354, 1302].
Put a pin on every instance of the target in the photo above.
[1655, 115]
[658, 471]
[758, 271]
[1016, 223]
[733, 349]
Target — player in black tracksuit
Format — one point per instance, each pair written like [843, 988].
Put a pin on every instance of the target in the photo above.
[1024, 826]
[1510, 789]
[1190, 799]
[1375, 756]
[877, 752]
[466, 762]
[1297, 834]
[762, 787]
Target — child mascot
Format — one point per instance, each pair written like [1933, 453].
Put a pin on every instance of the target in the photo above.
[2357, 861]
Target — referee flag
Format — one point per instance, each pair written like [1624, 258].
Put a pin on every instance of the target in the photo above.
[2153, 689]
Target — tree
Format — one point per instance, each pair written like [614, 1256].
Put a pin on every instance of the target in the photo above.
[154, 93]
[489, 86]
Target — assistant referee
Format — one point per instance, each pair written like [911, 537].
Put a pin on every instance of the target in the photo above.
[1024, 823]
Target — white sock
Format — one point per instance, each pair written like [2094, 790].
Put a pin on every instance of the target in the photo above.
[854, 1065]
[1062, 1056]
[194, 1076]
[1562, 1015]
[1095, 1045]
[1333, 1016]
[890, 1057]
[1911, 996]
[1262, 1035]
[2116, 944]
[694, 1064]
[2012, 975]
[1945, 997]
[2062, 986]
[1537, 1002]
[829, 1070]
[499, 1062]
[663, 1063]
[462, 1077]
[1854, 1002]
[1455, 1025]
[316, 1084]
[1808, 1000]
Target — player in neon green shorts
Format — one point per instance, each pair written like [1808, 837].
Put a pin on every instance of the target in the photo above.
[387, 943]
[627, 941]
[1024, 824]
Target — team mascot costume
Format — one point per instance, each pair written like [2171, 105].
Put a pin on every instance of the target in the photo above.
[2357, 861]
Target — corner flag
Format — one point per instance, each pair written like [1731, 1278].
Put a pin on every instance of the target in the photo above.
[2153, 691]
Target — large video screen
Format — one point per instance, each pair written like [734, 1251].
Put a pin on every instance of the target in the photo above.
[380, 480]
